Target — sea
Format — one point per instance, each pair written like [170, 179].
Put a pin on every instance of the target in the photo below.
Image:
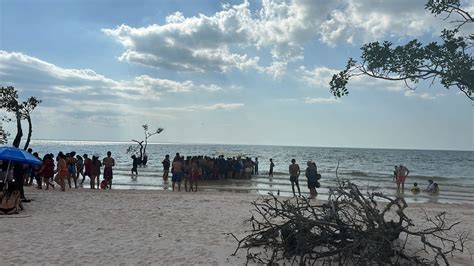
[370, 169]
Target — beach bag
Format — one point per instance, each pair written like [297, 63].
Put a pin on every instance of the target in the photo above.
[318, 185]
[9, 202]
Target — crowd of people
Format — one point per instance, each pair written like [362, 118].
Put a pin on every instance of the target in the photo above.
[190, 169]
[62, 170]
[72, 169]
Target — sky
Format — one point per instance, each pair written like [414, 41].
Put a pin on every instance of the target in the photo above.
[230, 72]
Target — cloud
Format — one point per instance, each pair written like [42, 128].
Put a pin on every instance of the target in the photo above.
[424, 95]
[319, 77]
[310, 100]
[367, 20]
[34, 76]
[194, 108]
[223, 41]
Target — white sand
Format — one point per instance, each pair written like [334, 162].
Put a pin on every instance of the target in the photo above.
[145, 227]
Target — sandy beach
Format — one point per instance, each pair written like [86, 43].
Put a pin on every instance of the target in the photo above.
[128, 227]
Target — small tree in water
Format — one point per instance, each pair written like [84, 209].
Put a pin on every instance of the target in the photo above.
[142, 144]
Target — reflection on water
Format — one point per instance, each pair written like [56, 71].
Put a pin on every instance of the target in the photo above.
[280, 184]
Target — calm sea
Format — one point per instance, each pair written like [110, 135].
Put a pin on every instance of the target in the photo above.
[370, 168]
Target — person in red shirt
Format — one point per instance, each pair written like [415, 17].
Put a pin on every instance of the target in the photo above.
[47, 170]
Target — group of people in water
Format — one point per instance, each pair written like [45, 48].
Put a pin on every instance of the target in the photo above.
[400, 174]
[193, 168]
[71, 168]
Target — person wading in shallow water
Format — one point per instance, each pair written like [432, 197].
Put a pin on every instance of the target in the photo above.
[270, 173]
[402, 173]
[312, 173]
[108, 162]
[166, 167]
[294, 170]
[177, 172]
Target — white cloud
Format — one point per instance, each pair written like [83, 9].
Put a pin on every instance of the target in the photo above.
[368, 20]
[223, 41]
[424, 95]
[310, 100]
[320, 77]
[194, 108]
[224, 106]
[32, 74]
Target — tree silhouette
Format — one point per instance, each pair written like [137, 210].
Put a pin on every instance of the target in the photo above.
[142, 144]
[21, 110]
[450, 61]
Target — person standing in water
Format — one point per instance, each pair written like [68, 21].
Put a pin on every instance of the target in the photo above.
[294, 170]
[402, 174]
[312, 175]
[108, 162]
[256, 166]
[166, 167]
[270, 173]
[134, 166]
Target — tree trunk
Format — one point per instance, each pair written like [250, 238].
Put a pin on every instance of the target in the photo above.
[144, 149]
[30, 131]
[19, 131]
[141, 152]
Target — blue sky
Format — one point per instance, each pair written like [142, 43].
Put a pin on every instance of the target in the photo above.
[233, 72]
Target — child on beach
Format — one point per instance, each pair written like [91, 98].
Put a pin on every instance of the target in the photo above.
[415, 189]
[79, 167]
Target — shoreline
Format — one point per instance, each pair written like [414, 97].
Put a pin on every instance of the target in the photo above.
[84, 226]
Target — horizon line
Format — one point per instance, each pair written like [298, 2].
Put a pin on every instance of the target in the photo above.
[247, 144]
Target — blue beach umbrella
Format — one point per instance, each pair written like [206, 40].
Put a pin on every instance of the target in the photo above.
[12, 154]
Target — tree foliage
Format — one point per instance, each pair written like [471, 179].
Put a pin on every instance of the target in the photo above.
[21, 110]
[142, 144]
[450, 61]
[3, 135]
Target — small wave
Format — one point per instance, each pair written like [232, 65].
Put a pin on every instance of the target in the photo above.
[355, 173]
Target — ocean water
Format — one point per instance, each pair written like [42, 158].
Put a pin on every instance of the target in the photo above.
[371, 169]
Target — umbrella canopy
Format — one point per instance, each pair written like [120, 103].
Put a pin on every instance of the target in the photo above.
[13, 154]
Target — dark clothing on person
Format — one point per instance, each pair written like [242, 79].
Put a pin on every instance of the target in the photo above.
[18, 175]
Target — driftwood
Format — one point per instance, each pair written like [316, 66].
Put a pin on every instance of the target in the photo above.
[350, 228]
